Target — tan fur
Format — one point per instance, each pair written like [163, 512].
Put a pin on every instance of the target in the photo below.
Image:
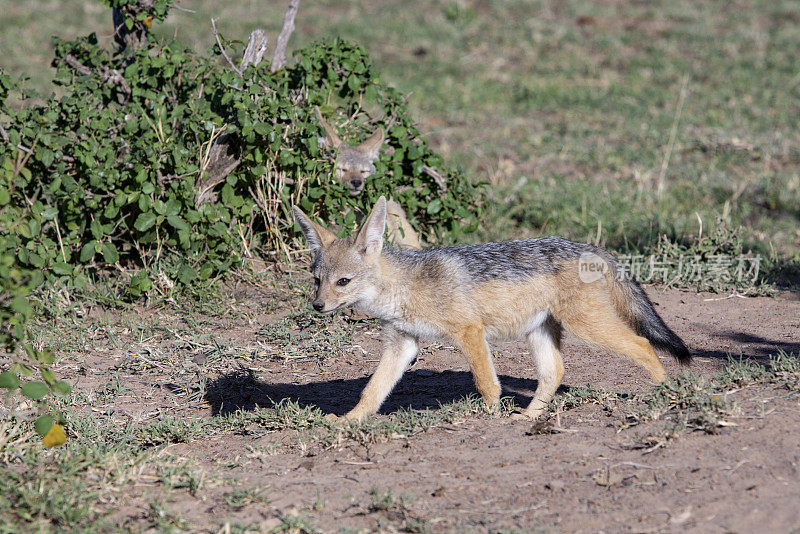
[398, 230]
[444, 303]
[353, 162]
[592, 312]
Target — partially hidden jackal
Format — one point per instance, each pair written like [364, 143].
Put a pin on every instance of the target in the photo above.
[472, 294]
[354, 165]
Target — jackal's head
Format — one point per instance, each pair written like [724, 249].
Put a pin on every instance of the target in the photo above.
[345, 269]
[354, 163]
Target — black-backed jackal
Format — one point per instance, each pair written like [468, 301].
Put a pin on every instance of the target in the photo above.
[496, 291]
[354, 165]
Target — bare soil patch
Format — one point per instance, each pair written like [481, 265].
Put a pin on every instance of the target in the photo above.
[590, 468]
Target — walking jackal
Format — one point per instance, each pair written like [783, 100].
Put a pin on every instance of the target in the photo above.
[475, 293]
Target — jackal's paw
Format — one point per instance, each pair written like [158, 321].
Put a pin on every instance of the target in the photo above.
[493, 407]
[333, 418]
[526, 415]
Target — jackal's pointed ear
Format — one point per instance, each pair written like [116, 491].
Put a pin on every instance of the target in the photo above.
[370, 236]
[317, 236]
[372, 146]
[332, 140]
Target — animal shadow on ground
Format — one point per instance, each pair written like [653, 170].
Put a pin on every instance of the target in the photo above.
[749, 346]
[418, 390]
[753, 346]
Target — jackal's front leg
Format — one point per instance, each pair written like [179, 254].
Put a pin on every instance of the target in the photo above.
[472, 341]
[399, 351]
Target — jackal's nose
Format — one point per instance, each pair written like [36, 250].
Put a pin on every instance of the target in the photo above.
[318, 306]
[356, 183]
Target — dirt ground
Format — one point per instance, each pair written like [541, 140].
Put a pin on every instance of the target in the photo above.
[480, 472]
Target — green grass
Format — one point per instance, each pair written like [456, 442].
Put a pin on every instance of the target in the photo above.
[567, 107]
[60, 488]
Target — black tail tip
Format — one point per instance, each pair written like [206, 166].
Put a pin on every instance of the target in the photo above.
[678, 349]
[684, 356]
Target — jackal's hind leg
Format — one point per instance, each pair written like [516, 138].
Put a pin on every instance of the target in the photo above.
[399, 351]
[593, 318]
[545, 345]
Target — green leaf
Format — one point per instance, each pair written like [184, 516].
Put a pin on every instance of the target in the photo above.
[43, 424]
[145, 221]
[178, 223]
[87, 251]
[96, 229]
[434, 207]
[9, 380]
[47, 357]
[36, 260]
[61, 387]
[186, 275]
[110, 254]
[353, 83]
[46, 157]
[35, 390]
[48, 375]
[62, 268]
[20, 304]
[262, 128]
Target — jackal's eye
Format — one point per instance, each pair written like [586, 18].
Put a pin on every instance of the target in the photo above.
[342, 281]
[364, 171]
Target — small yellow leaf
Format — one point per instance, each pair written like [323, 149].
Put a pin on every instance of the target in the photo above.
[55, 437]
[148, 21]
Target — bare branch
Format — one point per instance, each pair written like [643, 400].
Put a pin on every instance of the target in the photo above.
[4, 134]
[222, 48]
[254, 52]
[73, 62]
[220, 158]
[438, 178]
[279, 58]
[393, 119]
[110, 76]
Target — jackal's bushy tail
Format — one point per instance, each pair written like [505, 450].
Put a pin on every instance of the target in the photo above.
[634, 305]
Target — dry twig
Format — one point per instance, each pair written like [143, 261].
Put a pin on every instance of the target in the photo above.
[110, 76]
[254, 52]
[222, 48]
[279, 57]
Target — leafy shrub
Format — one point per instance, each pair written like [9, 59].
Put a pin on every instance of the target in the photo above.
[17, 280]
[725, 266]
[118, 167]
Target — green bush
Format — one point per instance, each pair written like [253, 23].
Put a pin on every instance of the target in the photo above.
[17, 280]
[114, 162]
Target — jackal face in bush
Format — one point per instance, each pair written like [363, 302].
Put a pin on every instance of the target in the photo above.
[354, 163]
